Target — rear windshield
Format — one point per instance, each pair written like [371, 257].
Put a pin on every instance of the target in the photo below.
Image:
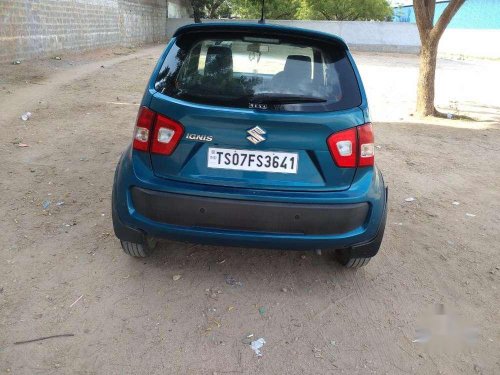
[246, 71]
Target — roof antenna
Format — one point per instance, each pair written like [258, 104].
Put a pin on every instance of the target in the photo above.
[262, 20]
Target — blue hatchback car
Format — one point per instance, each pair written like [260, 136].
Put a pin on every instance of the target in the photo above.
[257, 136]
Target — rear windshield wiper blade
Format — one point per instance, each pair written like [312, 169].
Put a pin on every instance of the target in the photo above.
[284, 99]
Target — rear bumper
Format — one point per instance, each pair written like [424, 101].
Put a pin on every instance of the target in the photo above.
[144, 206]
[249, 216]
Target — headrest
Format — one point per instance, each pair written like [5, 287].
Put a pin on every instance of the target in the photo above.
[219, 61]
[299, 66]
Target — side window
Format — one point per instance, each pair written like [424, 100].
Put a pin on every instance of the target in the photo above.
[189, 70]
[332, 81]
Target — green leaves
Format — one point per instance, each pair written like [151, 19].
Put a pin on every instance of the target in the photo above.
[345, 10]
[334, 10]
[210, 9]
[274, 9]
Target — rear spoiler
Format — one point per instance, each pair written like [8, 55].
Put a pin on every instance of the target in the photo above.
[274, 30]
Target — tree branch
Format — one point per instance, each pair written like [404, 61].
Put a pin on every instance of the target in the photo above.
[424, 24]
[430, 5]
[284, 15]
[216, 5]
[445, 18]
[326, 15]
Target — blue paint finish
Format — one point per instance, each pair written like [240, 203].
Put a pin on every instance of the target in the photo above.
[318, 181]
[285, 132]
[249, 26]
[368, 186]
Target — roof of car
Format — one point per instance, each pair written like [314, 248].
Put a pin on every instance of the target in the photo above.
[249, 26]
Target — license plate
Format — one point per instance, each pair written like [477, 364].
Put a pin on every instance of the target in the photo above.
[252, 160]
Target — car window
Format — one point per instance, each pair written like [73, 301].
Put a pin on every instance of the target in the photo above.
[277, 74]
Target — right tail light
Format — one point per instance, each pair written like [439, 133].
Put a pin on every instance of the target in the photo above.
[353, 147]
[366, 145]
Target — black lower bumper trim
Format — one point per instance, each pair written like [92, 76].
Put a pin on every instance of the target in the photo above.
[252, 216]
[371, 248]
[124, 232]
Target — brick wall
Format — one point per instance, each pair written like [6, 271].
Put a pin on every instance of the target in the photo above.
[34, 28]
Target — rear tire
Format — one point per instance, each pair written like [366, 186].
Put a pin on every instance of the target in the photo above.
[344, 257]
[139, 250]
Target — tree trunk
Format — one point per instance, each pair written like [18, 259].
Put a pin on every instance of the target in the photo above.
[426, 79]
[197, 10]
[197, 16]
[430, 34]
[212, 14]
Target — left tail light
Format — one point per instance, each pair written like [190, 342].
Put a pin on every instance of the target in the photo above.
[143, 126]
[156, 133]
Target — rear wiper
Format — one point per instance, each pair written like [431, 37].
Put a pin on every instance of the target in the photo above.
[284, 99]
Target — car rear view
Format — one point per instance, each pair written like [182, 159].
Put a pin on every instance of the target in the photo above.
[254, 136]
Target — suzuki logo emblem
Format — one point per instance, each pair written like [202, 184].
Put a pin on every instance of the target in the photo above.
[256, 135]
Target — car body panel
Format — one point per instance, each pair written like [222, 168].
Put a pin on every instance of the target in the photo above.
[368, 186]
[228, 128]
[270, 29]
[136, 169]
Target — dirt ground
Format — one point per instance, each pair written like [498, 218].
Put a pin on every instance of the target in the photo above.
[62, 270]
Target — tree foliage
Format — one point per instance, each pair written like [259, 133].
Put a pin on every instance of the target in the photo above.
[274, 9]
[339, 10]
[210, 9]
[345, 10]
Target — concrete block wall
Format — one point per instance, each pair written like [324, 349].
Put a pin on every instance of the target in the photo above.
[390, 36]
[359, 35]
[179, 9]
[36, 28]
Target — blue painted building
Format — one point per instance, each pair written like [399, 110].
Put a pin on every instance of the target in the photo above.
[474, 14]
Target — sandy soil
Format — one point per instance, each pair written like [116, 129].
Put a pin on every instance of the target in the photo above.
[62, 270]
